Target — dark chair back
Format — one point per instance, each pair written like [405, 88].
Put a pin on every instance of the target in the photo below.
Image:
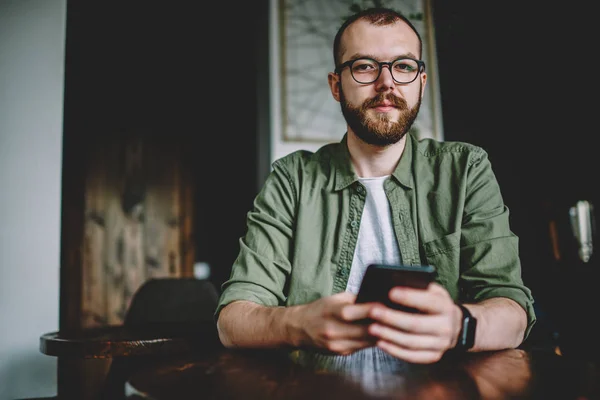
[173, 301]
[179, 307]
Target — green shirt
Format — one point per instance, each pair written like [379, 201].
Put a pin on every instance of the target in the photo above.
[447, 211]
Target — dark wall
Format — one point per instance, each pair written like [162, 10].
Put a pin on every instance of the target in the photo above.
[231, 151]
[519, 80]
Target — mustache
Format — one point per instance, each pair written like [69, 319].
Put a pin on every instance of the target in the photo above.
[381, 97]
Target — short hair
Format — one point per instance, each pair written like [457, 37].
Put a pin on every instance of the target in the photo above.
[376, 16]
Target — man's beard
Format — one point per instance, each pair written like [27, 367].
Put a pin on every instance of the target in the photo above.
[379, 130]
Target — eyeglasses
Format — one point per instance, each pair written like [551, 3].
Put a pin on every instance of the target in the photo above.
[367, 70]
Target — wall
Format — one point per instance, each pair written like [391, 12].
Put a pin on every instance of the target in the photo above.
[280, 148]
[516, 81]
[32, 34]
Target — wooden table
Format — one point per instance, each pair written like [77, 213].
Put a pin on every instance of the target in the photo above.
[121, 341]
[266, 374]
[94, 363]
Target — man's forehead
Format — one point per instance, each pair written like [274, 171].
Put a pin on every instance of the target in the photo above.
[363, 36]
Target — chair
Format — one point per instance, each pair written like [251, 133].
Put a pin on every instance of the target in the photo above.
[166, 317]
[168, 307]
[172, 303]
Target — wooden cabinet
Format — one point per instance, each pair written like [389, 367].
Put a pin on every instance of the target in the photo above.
[161, 151]
[136, 221]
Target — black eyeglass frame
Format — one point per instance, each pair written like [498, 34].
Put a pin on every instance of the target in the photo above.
[381, 64]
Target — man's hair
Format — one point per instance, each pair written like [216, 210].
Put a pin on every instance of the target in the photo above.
[376, 16]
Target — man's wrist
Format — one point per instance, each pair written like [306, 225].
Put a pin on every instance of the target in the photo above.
[292, 325]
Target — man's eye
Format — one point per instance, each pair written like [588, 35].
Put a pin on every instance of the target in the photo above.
[363, 67]
[405, 67]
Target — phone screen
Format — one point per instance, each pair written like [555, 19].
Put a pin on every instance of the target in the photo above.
[379, 279]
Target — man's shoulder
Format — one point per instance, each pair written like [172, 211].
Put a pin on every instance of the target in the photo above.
[306, 159]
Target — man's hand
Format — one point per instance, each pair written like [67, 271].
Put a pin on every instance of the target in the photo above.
[331, 324]
[334, 324]
[418, 338]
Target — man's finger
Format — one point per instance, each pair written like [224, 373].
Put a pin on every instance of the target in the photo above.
[355, 312]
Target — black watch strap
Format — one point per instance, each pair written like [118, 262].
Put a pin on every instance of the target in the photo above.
[466, 337]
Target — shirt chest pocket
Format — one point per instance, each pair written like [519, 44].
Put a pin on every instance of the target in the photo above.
[444, 244]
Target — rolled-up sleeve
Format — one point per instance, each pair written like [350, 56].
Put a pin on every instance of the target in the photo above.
[262, 267]
[494, 267]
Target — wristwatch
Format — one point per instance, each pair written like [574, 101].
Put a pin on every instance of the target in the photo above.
[466, 337]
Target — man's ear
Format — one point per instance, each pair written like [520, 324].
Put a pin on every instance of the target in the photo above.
[334, 85]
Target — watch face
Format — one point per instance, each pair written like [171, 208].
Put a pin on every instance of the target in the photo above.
[470, 332]
[466, 338]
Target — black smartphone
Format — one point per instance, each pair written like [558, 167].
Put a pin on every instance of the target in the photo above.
[379, 279]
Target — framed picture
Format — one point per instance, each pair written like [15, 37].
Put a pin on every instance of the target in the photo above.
[304, 113]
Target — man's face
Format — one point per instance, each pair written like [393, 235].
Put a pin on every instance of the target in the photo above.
[379, 113]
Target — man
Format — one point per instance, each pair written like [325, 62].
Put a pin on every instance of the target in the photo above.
[381, 196]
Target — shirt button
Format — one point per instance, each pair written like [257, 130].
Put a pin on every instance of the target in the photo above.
[361, 189]
[354, 224]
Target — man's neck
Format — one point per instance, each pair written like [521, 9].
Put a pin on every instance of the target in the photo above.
[371, 161]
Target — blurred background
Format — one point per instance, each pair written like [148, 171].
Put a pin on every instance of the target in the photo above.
[134, 137]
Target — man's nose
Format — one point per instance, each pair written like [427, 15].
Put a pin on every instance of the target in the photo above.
[385, 79]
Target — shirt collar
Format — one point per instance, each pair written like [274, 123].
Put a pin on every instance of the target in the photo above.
[403, 171]
[345, 174]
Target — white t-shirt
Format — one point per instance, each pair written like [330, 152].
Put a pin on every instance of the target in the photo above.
[376, 238]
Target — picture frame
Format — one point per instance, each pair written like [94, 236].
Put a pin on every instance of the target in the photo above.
[304, 113]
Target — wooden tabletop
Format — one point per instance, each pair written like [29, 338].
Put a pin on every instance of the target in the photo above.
[265, 374]
[121, 341]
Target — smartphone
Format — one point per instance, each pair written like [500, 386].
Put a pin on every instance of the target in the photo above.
[379, 279]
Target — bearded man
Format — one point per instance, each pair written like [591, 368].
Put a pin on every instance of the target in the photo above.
[381, 196]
